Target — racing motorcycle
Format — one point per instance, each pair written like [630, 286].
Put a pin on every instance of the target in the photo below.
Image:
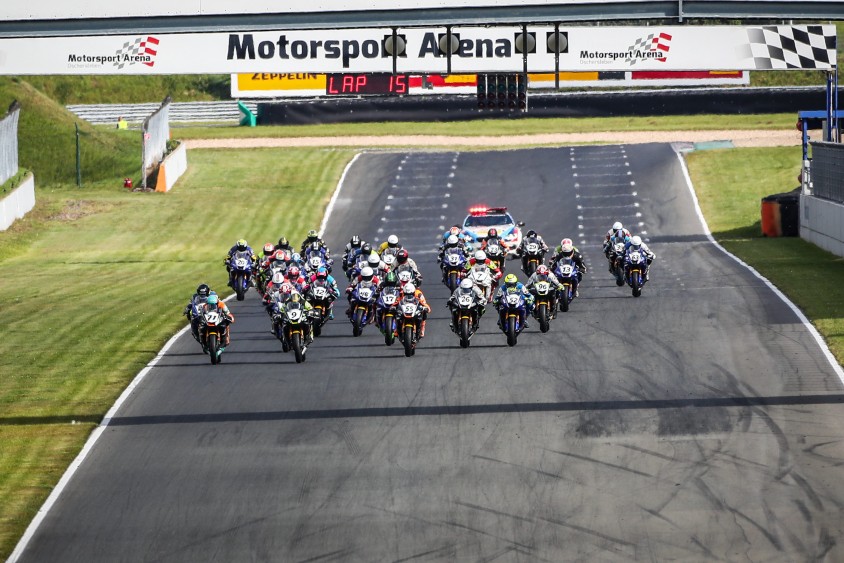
[241, 273]
[362, 306]
[406, 273]
[212, 330]
[616, 259]
[320, 297]
[408, 323]
[496, 253]
[454, 267]
[388, 257]
[567, 272]
[291, 325]
[482, 277]
[635, 266]
[545, 303]
[532, 256]
[387, 312]
[194, 315]
[467, 309]
[511, 315]
[316, 250]
[314, 263]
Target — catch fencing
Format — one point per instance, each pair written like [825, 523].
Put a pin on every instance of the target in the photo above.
[828, 171]
[9, 143]
[156, 133]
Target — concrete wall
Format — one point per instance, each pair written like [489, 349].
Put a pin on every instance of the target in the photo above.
[172, 168]
[822, 223]
[18, 203]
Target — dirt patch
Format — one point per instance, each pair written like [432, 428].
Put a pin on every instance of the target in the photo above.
[742, 138]
[76, 209]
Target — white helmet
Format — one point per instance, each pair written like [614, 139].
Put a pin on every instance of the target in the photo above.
[278, 278]
[452, 240]
[367, 273]
[466, 283]
[636, 241]
[373, 259]
[617, 226]
[566, 245]
[409, 288]
[480, 255]
[392, 240]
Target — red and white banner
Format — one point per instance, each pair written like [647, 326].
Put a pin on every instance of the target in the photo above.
[431, 50]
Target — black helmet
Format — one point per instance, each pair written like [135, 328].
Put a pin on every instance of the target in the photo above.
[366, 248]
[531, 233]
[241, 244]
[283, 242]
[391, 279]
[355, 242]
[202, 290]
[493, 232]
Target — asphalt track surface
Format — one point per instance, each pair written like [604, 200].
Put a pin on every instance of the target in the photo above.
[698, 422]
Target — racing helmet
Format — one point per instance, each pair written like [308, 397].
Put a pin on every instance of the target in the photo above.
[542, 270]
[402, 256]
[366, 248]
[531, 233]
[617, 226]
[452, 240]
[283, 242]
[296, 257]
[455, 230]
[241, 244]
[493, 232]
[510, 280]
[322, 273]
[312, 234]
[409, 288]
[367, 273]
[373, 260]
[213, 299]
[391, 279]
[278, 278]
[392, 241]
[269, 249]
[286, 287]
[293, 271]
[480, 256]
[202, 290]
[636, 242]
[466, 284]
[295, 297]
[355, 241]
[566, 246]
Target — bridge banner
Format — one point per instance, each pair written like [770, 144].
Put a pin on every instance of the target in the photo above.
[544, 49]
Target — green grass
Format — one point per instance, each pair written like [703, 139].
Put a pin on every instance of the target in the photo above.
[502, 127]
[100, 280]
[133, 89]
[730, 184]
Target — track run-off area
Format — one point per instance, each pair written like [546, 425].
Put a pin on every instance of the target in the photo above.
[701, 421]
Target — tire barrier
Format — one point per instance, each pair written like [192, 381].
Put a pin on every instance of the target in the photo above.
[781, 214]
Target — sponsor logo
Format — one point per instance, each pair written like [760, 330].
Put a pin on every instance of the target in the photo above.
[243, 47]
[653, 47]
[141, 50]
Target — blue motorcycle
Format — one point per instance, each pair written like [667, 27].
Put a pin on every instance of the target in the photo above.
[569, 275]
[512, 311]
[386, 310]
[362, 306]
[241, 273]
[635, 266]
[454, 267]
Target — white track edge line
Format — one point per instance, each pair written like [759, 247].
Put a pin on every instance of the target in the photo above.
[839, 371]
[97, 432]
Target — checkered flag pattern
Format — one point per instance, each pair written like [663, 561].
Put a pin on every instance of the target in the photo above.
[139, 46]
[653, 42]
[787, 46]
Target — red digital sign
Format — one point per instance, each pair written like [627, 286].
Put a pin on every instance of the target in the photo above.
[371, 84]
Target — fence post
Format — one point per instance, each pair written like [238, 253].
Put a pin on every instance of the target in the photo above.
[78, 159]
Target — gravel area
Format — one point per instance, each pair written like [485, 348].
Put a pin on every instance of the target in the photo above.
[743, 138]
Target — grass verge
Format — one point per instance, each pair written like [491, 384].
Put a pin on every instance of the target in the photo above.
[95, 284]
[730, 184]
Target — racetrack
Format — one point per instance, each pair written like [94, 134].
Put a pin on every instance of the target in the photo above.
[700, 421]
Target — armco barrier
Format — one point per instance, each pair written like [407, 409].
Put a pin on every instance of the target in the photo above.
[171, 169]
[18, 203]
[822, 223]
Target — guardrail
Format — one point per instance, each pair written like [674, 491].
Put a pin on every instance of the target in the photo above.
[179, 111]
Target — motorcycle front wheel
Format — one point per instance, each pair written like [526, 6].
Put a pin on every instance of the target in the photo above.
[408, 341]
[511, 331]
[297, 347]
[357, 323]
[544, 320]
[213, 345]
[239, 282]
[464, 333]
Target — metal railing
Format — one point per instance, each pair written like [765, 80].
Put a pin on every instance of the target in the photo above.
[156, 133]
[226, 112]
[9, 142]
[827, 170]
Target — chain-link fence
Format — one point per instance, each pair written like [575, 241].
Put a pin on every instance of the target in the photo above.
[828, 171]
[9, 143]
[156, 133]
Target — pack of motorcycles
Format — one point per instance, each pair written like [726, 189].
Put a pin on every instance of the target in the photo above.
[296, 321]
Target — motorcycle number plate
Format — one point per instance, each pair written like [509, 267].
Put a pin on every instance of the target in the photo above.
[404, 276]
[542, 287]
[513, 299]
[465, 300]
[389, 299]
[635, 257]
[409, 309]
[453, 259]
[212, 317]
[532, 247]
[365, 293]
[566, 270]
[241, 263]
[320, 293]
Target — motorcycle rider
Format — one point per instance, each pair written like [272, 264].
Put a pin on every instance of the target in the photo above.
[367, 274]
[240, 246]
[264, 264]
[451, 242]
[531, 236]
[272, 287]
[322, 274]
[567, 250]
[511, 285]
[391, 242]
[390, 280]
[294, 276]
[480, 258]
[214, 302]
[466, 286]
[616, 234]
[353, 248]
[636, 244]
[543, 273]
[374, 262]
[409, 290]
[312, 238]
[284, 244]
[402, 258]
[198, 299]
[295, 297]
